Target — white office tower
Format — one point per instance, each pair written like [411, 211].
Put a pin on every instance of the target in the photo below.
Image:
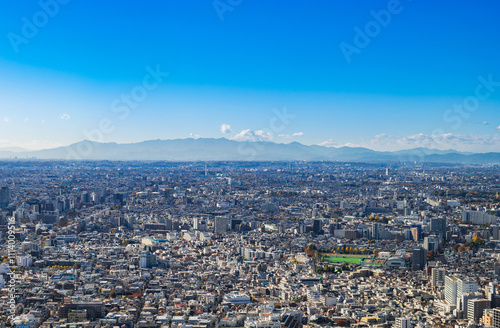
[402, 323]
[25, 261]
[455, 288]
[464, 287]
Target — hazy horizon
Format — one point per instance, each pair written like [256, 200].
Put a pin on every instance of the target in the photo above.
[247, 142]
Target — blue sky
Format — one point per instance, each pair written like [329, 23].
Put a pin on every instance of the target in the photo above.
[420, 73]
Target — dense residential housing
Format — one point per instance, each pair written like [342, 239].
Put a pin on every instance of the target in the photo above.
[256, 245]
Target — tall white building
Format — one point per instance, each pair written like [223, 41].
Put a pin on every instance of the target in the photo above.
[25, 261]
[450, 290]
[455, 288]
[464, 287]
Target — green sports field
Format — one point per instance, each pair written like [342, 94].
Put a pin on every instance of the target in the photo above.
[347, 259]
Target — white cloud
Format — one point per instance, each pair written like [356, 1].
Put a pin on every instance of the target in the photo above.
[225, 128]
[498, 127]
[6, 119]
[264, 135]
[444, 141]
[26, 120]
[288, 136]
[329, 143]
[195, 136]
[65, 116]
[253, 136]
[43, 121]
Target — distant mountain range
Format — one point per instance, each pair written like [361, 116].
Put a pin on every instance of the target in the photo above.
[205, 149]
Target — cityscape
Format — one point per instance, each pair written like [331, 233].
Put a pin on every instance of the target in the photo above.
[249, 244]
[249, 164]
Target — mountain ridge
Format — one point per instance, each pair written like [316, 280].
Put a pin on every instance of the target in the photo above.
[214, 149]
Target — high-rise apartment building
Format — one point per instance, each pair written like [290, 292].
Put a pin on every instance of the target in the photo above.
[375, 230]
[455, 288]
[495, 322]
[316, 226]
[464, 286]
[418, 258]
[147, 259]
[438, 226]
[463, 302]
[476, 307]
[438, 276]
[221, 224]
[450, 290]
